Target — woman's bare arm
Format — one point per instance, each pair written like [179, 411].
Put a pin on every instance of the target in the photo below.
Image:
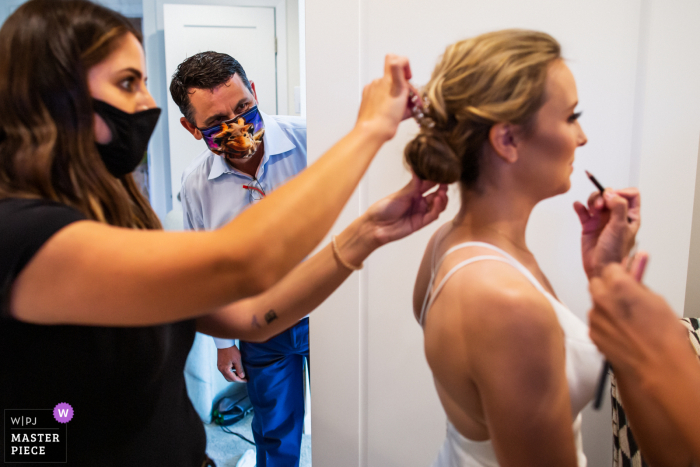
[310, 283]
[258, 318]
[678, 393]
[657, 436]
[657, 371]
[89, 273]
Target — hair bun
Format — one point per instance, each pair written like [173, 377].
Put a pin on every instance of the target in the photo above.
[431, 158]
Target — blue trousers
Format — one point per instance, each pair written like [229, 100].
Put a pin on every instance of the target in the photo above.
[276, 390]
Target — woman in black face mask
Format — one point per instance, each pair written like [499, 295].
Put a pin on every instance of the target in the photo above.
[98, 309]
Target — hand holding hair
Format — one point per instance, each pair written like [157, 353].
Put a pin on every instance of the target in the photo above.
[392, 218]
[409, 209]
[311, 282]
[385, 100]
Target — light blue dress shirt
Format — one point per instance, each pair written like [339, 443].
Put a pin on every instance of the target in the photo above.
[212, 192]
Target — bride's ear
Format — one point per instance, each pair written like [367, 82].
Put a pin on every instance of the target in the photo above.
[503, 140]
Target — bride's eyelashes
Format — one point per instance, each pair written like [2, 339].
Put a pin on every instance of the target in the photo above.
[575, 116]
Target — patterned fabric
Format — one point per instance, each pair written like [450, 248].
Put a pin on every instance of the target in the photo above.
[239, 137]
[693, 325]
[625, 450]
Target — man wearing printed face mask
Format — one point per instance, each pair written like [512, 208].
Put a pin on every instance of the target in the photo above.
[247, 155]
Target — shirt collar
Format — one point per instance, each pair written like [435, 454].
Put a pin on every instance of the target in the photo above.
[275, 142]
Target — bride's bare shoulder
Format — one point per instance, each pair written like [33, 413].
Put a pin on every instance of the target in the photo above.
[482, 303]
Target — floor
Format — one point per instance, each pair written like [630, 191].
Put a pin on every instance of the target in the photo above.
[226, 449]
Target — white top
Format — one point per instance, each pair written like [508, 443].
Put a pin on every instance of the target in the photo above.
[583, 364]
[212, 192]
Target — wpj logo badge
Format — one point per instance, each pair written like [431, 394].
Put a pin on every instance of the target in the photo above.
[37, 435]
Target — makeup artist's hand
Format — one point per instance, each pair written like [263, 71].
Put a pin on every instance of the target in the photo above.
[609, 227]
[657, 370]
[409, 209]
[385, 101]
[633, 327]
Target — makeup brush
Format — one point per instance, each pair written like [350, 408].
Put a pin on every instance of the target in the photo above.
[600, 187]
[595, 182]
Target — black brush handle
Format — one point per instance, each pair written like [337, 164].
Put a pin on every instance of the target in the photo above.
[602, 380]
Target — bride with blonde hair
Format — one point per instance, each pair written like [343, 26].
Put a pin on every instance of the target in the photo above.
[512, 365]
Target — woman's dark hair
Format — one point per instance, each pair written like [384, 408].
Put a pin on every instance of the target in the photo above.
[205, 70]
[47, 140]
[495, 77]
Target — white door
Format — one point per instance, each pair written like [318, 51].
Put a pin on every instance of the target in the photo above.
[245, 33]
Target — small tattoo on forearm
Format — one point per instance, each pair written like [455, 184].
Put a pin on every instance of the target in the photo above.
[255, 322]
[270, 316]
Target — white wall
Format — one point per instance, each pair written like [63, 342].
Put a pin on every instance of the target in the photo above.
[669, 147]
[293, 59]
[634, 61]
[338, 381]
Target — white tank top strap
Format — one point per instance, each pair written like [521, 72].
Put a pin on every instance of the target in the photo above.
[526, 272]
[434, 294]
[438, 238]
[431, 294]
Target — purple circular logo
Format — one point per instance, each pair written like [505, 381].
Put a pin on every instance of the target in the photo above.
[63, 412]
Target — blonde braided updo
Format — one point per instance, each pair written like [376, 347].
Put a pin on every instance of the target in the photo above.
[495, 77]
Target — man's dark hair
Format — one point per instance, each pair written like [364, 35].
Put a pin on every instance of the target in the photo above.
[205, 70]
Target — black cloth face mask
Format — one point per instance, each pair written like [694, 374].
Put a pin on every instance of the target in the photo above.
[130, 135]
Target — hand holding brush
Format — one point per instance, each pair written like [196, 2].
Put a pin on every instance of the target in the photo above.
[609, 225]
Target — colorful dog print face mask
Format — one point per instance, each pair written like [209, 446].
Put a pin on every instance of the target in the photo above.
[237, 138]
